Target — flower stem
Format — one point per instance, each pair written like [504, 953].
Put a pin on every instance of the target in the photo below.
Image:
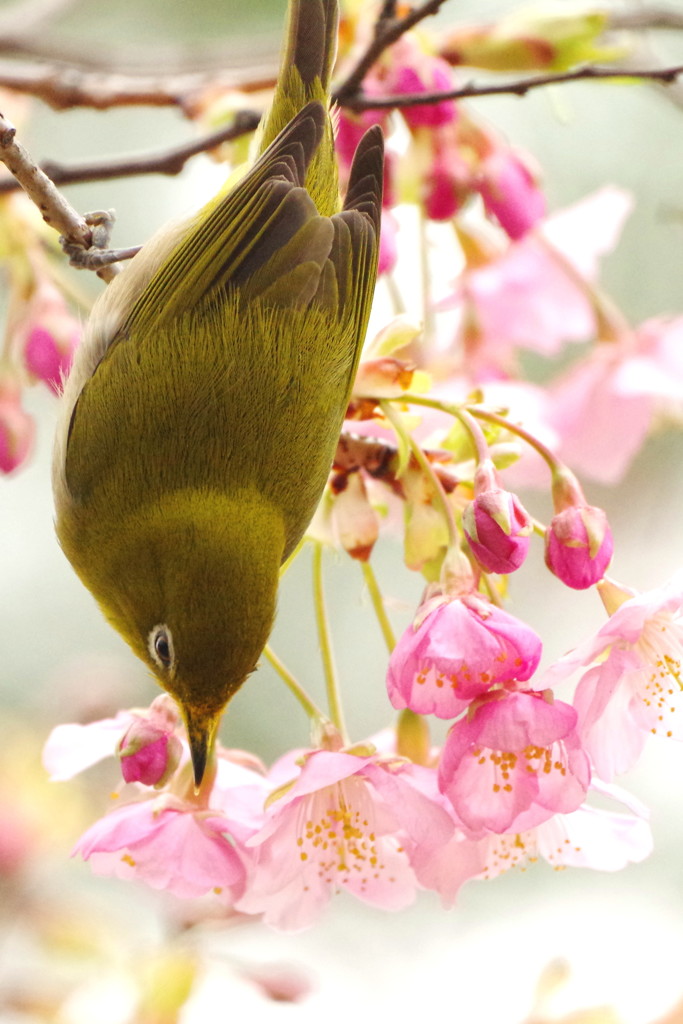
[378, 605]
[474, 432]
[395, 294]
[424, 464]
[481, 414]
[294, 686]
[551, 460]
[429, 328]
[325, 640]
[288, 561]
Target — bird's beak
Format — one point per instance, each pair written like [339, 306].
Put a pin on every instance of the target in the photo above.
[201, 732]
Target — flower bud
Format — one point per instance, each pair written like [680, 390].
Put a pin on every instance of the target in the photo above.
[578, 542]
[16, 426]
[496, 524]
[538, 38]
[52, 336]
[510, 192]
[579, 546]
[149, 750]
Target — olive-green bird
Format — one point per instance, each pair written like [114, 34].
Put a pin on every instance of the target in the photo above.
[204, 405]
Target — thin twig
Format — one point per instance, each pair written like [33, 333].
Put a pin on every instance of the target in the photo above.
[63, 88]
[517, 87]
[53, 207]
[387, 31]
[168, 161]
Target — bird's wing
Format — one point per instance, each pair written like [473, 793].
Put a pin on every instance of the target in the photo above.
[355, 250]
[238, 232]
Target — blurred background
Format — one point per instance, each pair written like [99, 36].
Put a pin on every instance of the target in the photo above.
[78, 949]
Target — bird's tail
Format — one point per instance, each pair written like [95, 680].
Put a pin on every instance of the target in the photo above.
[306, 66]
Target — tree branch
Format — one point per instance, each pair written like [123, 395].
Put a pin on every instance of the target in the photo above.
[54, 209]
[387, 31]
[169, 161]
[517, 87]
[64, 88]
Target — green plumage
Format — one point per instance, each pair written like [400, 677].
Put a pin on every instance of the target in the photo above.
[204, 407]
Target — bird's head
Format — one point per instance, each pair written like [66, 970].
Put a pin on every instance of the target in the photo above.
[193, 589]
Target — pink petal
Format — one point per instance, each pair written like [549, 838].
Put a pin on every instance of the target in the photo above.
[72, 748]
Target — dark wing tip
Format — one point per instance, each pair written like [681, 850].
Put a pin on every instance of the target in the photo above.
[367, 177]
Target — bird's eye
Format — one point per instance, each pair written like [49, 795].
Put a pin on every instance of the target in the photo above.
[160, 645]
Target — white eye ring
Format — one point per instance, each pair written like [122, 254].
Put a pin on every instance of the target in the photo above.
[160, 646]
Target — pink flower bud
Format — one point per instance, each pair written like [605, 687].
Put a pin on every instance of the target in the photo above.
[52, 336]
[429, 74]
[16, 427]
[496, 524]
[579, 546]
[497, 528]
[149, 753]
[510, 192]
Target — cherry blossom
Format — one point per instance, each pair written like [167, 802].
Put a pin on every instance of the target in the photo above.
[168, 844]
[346, 822]
[456, 650]
[534, 294]
[513, 761]
[632, 684]
[589, 837]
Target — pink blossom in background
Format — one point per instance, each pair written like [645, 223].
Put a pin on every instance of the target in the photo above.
[388, 243]
[17, 427]
[458, 650]
[447, 181]
[603, 407]
[513, 761]
[352, 126]
[631, 688]
[52, 335]
[413, 72]
[589, 229]
[529, 296]
[600, 425]
[510, 192]
[345, 823]
[654, 367]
